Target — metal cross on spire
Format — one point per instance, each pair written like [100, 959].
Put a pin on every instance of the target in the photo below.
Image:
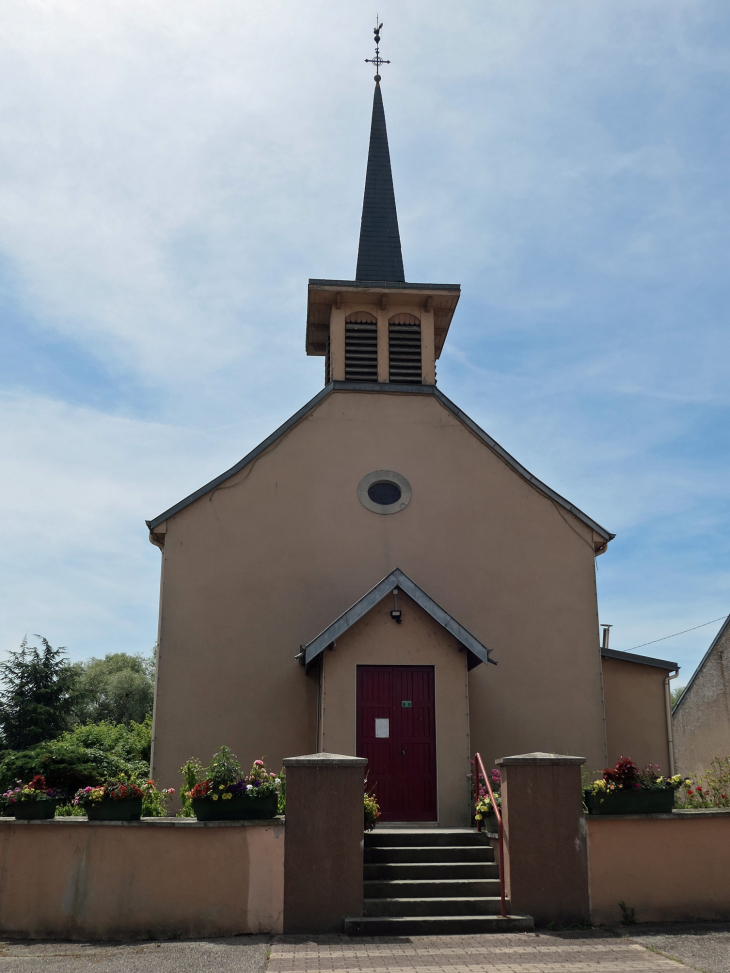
[377, 60]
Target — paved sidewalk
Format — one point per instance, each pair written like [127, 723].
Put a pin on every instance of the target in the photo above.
[593, 951]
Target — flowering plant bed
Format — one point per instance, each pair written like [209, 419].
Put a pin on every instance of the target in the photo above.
[627, 790]
[711, 790]
[33, 801]
[371, 808]
[118, 800]
[223, 793]
[483, 809]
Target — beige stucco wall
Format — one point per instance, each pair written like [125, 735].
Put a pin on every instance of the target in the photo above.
[159, 878]
[702, 719]
[271, 557]
[419, 641]
[636, 713]
[666, 868]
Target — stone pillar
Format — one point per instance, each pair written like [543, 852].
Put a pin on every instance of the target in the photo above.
[546, 860]
[323, 850]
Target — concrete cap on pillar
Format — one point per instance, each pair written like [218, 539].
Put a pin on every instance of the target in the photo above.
[539, 758]
[325, 760]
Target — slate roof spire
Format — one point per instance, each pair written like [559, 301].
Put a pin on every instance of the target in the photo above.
[379, 255]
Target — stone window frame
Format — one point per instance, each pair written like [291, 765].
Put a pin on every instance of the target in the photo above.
[384, 476]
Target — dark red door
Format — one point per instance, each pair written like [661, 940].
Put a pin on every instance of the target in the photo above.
[396, 731]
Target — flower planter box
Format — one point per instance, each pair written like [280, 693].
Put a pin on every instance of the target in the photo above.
[489, 822]
[237, 809]
[34, 810]
[125, 809]
[631, 802]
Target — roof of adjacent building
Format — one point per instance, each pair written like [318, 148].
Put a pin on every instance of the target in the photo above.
[379, 255]
[477, 651]
[643, 660]
[391, 389]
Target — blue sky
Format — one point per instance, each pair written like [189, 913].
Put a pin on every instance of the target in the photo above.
[171, 175]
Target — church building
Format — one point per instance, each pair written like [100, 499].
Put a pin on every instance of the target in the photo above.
[380, 578]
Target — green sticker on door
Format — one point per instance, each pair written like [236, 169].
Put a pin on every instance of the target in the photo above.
[406, 703]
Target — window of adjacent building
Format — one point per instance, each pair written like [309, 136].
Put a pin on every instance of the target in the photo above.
[404, 349]
[361, 347]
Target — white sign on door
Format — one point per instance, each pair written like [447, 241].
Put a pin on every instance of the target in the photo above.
[382, 728]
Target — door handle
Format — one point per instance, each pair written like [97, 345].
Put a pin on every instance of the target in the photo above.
[404, 753]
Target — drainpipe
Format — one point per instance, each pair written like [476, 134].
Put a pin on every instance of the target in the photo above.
[670, 732]
[604, 645]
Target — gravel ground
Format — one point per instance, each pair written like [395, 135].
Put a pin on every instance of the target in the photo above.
[703, 945]
[244, 954]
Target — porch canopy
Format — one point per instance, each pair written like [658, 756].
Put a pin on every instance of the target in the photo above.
[476, 651]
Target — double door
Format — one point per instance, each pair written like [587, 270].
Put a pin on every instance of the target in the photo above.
[396, 732]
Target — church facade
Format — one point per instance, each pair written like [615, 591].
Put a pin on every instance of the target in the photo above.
[380, 577]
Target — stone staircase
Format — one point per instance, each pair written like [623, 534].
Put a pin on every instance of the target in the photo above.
[431, 882]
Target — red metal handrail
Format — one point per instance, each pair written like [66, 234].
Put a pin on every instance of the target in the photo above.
[479, 770]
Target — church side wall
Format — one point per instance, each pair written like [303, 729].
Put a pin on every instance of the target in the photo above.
[419, 641]
[270, 558]
[636, 713]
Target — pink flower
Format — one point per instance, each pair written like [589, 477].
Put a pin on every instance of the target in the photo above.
[258, 763]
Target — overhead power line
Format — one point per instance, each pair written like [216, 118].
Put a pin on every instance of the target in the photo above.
[665, 637]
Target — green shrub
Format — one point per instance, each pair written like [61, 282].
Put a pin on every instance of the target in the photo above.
[70, 811]
[86, 755]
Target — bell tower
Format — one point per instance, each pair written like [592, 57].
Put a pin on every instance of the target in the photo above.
[379, 329]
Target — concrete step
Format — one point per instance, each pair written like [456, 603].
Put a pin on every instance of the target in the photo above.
[428, 853]
[437, 870]
[401, 837]
[427, 888]
[435, 925]
[482, 906]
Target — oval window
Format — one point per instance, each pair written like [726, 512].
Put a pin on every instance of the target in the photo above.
[384, 493]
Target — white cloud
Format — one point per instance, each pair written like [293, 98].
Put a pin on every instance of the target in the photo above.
[171, 174]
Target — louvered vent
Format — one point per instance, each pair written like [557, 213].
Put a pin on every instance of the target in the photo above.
[361, 347]
[404, 345]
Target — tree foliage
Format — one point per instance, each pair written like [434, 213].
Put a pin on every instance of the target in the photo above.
[87, 755]
[38, 695]
[118, 688]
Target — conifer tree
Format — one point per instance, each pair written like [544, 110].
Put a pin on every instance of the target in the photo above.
[37, 695]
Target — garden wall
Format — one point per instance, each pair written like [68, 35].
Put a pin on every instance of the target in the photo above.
[160, 877]
[664, 866]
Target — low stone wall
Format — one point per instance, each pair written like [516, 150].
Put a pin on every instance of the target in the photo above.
[160, 877]
[664, 866]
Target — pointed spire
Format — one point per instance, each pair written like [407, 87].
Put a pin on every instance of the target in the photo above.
[379, 255]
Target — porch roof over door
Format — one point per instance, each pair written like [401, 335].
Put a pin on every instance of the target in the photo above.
[476, 650]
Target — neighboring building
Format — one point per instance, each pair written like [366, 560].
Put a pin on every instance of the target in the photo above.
[701, 717]
[346, 585]
[638, 708]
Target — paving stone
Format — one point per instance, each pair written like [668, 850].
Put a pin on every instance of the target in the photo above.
[591, 951]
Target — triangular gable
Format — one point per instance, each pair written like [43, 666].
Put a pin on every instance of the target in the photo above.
[603, 536]
[477, 652]
[723, 628]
